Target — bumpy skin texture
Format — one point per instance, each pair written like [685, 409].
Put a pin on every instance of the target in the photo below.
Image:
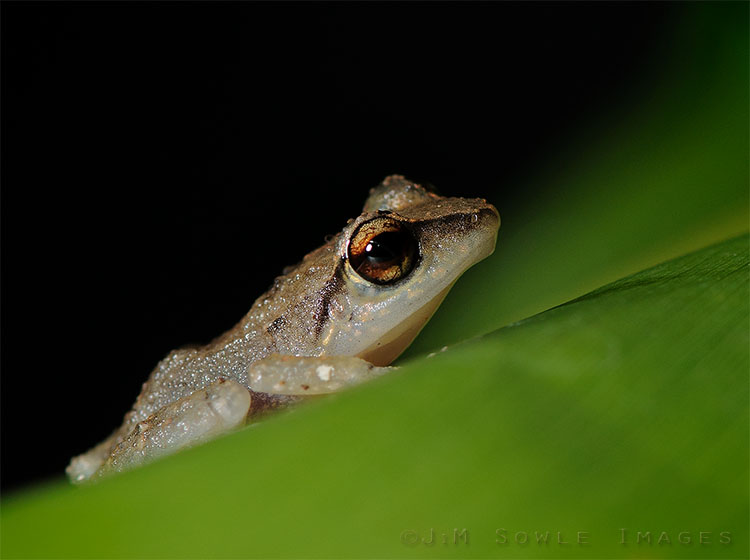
[319, 308]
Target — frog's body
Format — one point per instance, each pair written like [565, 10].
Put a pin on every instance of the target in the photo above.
[353, 304]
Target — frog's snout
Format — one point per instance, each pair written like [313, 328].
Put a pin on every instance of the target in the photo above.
[488, 214]
[486, 223]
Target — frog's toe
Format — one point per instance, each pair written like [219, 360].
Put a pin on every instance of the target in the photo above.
[82, 467]
[85, 465]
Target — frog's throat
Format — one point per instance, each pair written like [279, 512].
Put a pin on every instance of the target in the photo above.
[394, 342]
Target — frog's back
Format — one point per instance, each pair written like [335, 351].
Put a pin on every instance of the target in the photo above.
[282, 321]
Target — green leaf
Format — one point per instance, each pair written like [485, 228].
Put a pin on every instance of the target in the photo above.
[624, 409]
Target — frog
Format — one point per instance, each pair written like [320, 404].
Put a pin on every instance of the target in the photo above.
[337, 319]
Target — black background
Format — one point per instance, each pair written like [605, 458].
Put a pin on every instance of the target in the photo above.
[163, 162]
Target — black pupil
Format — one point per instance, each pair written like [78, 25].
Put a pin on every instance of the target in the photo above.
[386, 247]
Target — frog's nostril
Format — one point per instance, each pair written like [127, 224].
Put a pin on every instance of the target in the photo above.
[485, 215]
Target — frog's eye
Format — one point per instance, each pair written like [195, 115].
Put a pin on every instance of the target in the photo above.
[382, 250]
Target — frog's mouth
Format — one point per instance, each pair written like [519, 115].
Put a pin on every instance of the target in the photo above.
[395, 341]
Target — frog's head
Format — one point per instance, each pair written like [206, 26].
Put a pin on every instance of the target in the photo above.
[396, 263]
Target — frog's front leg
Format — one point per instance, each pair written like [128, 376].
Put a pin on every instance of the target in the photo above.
[305, 375]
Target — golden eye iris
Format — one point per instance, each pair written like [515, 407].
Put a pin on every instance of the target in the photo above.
[382, 250]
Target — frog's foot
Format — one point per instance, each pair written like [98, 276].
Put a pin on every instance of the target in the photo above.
[203, 415]
[302, 375]
[85, 465]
